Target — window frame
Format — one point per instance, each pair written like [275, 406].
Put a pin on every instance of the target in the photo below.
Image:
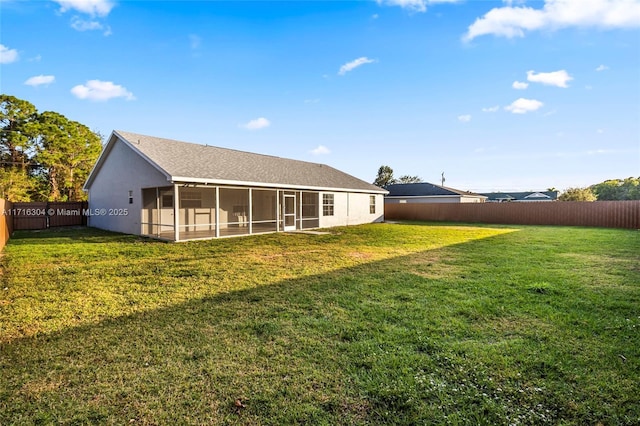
[328, 204]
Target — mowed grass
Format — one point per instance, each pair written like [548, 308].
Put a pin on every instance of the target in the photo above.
[377, 324]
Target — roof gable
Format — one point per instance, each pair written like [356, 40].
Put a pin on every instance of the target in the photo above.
[522, 196]
[189, 162]
[537, 195]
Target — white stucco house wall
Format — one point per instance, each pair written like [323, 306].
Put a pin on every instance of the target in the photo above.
[179, 191]
[425, 192]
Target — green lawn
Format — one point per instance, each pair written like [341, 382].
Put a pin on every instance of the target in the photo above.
[375, 324]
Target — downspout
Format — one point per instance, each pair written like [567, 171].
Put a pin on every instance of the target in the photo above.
[347, 209]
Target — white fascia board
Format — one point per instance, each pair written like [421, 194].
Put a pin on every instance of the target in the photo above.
[187, 180]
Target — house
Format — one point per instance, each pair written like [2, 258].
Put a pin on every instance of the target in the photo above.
[425, 192]
[520, 197]
[179, 191]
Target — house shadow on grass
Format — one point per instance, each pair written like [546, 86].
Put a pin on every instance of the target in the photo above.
[376, 343]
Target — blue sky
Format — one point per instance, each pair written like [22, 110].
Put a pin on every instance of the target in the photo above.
[498, 95]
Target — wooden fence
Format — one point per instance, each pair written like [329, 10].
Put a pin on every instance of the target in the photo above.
[6, 222]
[609, 214]
[48, 214]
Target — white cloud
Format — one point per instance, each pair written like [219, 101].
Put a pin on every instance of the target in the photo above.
[520, 85]
[7, 55]
[510, 21]
[96, 90]
[555, 78]
[414, 5]
[602, 68]
[464, 118]
[375, 16]
[349, 66]
[40, 80]
[523, 106]
[80, 24]
[257, 124]
[320, 150]
[90, 7]
[491, 109]
[36, 58]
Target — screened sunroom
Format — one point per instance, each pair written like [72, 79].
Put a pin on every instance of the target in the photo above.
[205, 211]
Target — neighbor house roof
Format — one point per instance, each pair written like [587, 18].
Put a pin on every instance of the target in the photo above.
[195, 163]
[425, 189]
[522, 196]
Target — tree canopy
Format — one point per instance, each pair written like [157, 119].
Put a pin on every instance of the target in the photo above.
[577, 194]
[43, 156]
[618, 189]
[385, 178]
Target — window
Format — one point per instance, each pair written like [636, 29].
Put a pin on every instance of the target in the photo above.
[130, 197]
[372, 204]
[309, 205]
[327, 204]
[167, 201]
[190, 199]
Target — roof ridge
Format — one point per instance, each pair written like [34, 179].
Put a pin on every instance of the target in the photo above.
[120, 132]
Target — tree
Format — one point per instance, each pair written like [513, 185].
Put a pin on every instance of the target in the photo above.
[409, 179]
[385, 177]
[16, 132]
[577, 194]
[66, 152]
[43, 156]
[16, 185]
[618, 189]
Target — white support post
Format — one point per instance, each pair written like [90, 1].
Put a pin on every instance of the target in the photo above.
[158, 221]
[176, 213]
[278, 210]
[250, 212]
[299, 218]
[217, 212]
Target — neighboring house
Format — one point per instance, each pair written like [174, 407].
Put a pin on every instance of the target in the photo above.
[429, 193]
[178, 191]
[520, 197]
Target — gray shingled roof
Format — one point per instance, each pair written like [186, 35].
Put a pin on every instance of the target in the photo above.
[521, 196]
[184, 161]
[423, 189]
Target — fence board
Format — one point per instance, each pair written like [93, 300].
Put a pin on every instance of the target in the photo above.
[67, 213]
[6, 222]
[608, 214]
[48, 215]
[29, 216]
